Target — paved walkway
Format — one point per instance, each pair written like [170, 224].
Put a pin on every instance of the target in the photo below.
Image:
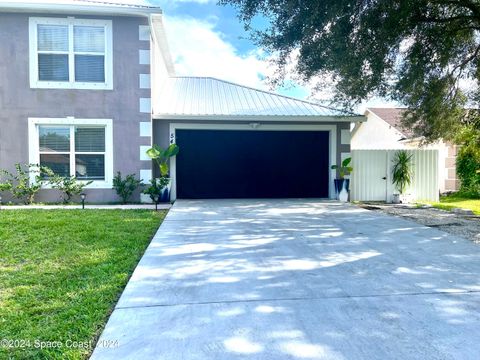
[87, 206]
[297, 280]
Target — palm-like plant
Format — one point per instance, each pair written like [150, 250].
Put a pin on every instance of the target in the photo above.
[402, 171]
[344, 169]
[161, 156]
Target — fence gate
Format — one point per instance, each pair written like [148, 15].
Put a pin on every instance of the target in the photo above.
[371, 179]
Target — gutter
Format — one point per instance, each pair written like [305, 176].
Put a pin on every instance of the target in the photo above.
[280, 118]
[36, 7]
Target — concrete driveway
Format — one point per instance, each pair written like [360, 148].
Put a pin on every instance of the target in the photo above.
[288, 279]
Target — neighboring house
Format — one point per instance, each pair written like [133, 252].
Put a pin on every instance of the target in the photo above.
[383, 131]
[87, 86]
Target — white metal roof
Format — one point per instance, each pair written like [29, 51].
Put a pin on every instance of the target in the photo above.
[121, 7]
[211, 98]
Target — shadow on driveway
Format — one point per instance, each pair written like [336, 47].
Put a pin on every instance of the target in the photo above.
[297, 279]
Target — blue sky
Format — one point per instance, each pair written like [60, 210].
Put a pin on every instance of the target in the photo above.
[209, 40]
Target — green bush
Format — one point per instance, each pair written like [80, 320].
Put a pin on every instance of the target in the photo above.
[125, 187]
[154, 190]
[68, 185]
[19, 182]
[468, 164]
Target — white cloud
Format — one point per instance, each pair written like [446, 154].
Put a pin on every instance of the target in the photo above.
[199, 49]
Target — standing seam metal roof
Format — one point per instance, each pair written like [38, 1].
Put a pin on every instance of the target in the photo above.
[206, 96]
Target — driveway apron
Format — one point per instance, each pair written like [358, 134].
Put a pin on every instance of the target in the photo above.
[297, 279]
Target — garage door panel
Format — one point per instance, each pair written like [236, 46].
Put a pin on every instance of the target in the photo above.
[252, 164]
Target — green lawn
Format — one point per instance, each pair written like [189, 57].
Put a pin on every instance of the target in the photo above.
[456, 201]
[61, 273]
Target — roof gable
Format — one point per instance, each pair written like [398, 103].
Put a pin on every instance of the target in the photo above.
[393, 117]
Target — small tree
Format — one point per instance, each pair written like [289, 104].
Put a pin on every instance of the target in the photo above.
[19, 182]
[70, 186]
[402, 172]
[125, 187]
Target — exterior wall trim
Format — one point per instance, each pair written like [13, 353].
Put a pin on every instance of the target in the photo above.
[332, 129]
[286, 118]
[33, 145]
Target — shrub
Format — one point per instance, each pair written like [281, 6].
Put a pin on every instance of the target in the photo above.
[125, 187]
[5, 186]
[155, 188]
[468, 164]
[19, 182]
[69, 185]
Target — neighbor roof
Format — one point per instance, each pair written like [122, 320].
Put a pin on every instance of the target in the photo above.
[393, 117]
[206, 97]
[120, 7]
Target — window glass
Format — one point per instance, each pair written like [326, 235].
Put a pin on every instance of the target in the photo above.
[59, 163]
[54, 139]
[90, 167]
[53, 67]
[88, 153]
[90, 139]
[89, 39]
[81, 61]
[90, 68]
[52, 38]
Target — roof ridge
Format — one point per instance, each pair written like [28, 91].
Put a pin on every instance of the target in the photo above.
[267, 92]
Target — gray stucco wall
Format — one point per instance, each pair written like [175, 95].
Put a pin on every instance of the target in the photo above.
[161, 131]
[18, 101]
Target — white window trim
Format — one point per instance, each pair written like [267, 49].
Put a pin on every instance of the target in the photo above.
[332, 129]
[70, 21]
[34, 146]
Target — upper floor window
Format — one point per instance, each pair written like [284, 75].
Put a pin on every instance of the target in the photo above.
[70, 53]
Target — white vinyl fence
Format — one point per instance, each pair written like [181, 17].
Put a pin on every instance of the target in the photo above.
[371, 179]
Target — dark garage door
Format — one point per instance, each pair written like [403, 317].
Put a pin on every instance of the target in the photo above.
[252, 164]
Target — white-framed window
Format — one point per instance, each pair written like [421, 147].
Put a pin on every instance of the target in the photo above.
[70, 53]
[74, 147]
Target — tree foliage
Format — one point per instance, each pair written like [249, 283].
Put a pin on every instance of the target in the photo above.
[417, 52]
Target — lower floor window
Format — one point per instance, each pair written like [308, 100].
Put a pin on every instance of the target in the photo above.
[81, 148]
[73, 150]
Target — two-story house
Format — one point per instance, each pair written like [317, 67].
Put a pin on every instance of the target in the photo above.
[86, 87]
[75, 87]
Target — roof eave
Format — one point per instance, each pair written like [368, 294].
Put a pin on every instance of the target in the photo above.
[298, 118]
[78, 9]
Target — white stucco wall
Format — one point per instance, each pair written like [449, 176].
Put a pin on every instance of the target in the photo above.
[375, 134]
